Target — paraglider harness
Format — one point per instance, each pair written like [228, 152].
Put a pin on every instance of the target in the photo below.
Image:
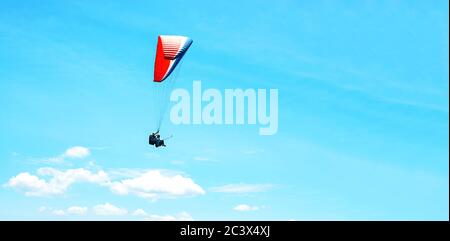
[155, 139]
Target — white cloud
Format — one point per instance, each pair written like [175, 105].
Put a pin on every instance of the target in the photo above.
[245, 208]
[109, 209]
[58, 212]
[25, 180]
[155, 184]
[50, 160]
[242, 188]
[149, 184]
[201, 158]
[183, 216]
[139, 212]
[59, 182]
[77, 152]
[123, 173]
[77, 210]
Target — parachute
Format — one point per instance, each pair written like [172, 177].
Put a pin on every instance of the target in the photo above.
[170, 51]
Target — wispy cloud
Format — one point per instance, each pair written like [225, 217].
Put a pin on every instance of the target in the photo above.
[242, 188]
[245, 208]
[108, 209]
[205, 159]
[252, 151]
[387, 90]
[58, 212]
[75, 152]
[73, 210]
[201, 158]
[139, 212]
[177, 162]
[183, 216]
[76, 210]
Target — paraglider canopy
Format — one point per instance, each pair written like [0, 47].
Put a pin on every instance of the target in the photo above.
[170, 50]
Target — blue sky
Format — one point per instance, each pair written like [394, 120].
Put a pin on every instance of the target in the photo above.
[363, 111]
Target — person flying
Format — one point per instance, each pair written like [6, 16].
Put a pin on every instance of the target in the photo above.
[155, 139]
